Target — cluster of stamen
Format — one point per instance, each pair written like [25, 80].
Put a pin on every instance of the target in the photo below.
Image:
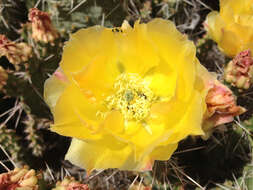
[132, 97]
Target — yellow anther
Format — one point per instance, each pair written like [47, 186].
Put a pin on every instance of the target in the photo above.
[132, 97]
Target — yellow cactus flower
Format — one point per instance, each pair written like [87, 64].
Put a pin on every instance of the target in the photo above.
[232, 27]
[127, 95]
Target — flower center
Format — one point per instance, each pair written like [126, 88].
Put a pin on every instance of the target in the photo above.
[132, 97]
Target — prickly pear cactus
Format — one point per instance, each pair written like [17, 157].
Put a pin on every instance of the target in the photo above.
[32, 37]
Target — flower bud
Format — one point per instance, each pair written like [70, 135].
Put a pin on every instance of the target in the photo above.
[15, 52]
[239, 71]
[221, 107]
[19, 179]
[70, 184]
[42, 28]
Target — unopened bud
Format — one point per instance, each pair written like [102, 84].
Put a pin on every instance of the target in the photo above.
[221, 107]
[70, 184]
[19, 179]
[239, 71]
[15, 52]
[42, 28]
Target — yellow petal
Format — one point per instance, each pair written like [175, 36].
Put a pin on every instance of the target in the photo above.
[114, 122]
[75, 115]
[187, 73]
[214, 25]
[89, 79]
[227, 10]
[136, 53]
[163, 152]
[147, 133]
[107, 153]
[229, 41]
[166, 40]
[90, 42]
[159, 112]
[163, 85]
[245, 34]
[152, 147]
[184, 112]
[131, 128]
[185, 120]
[237, 6]
[191, 122]
[53, 88]
[176, 51]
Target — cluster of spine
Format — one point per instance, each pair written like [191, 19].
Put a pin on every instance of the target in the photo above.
[10, 142]
[33, 137]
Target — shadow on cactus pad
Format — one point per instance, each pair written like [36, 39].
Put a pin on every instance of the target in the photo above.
[220, 158]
